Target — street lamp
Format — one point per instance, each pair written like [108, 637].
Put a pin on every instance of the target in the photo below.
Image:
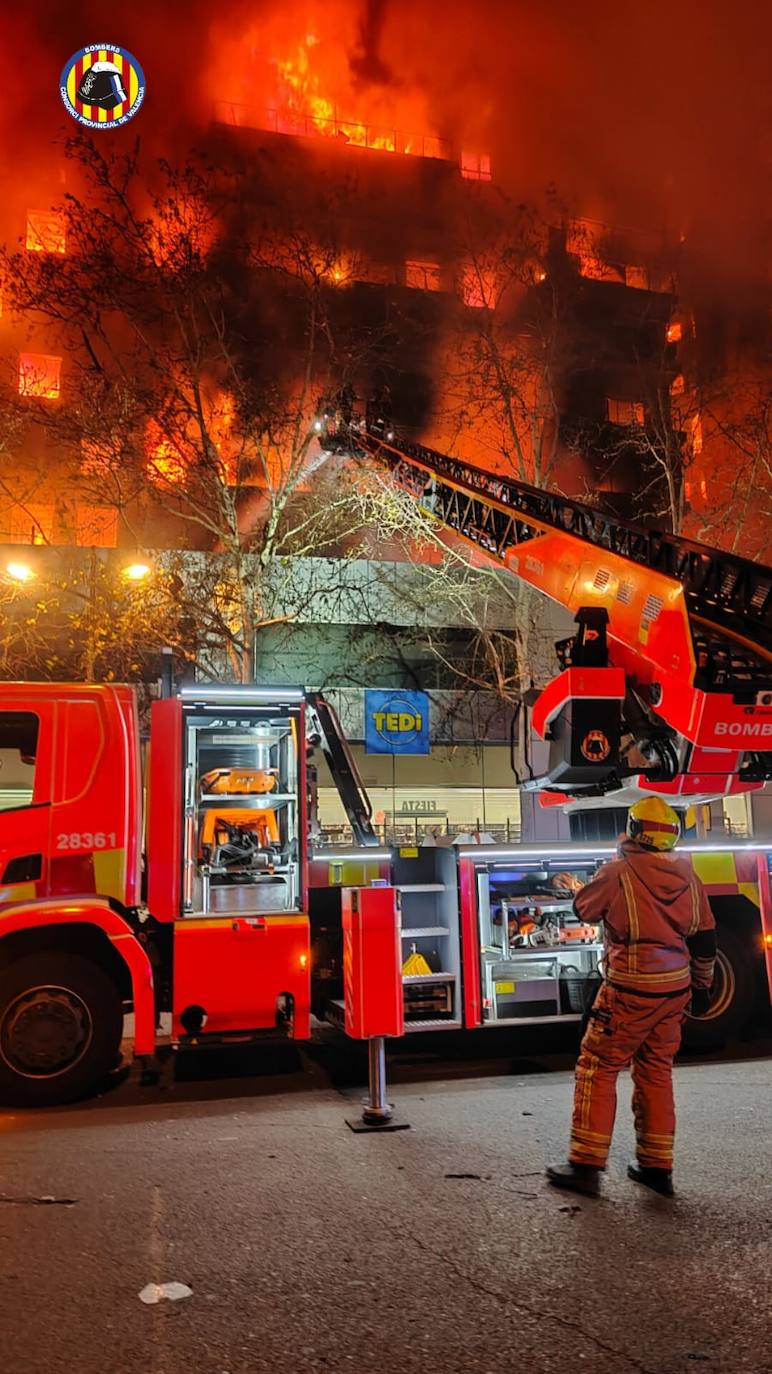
[19, 572]
[137, 572]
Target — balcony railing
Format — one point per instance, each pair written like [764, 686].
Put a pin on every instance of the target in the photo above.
[353, 132]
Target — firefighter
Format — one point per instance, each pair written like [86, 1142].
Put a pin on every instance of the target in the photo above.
[660, 949]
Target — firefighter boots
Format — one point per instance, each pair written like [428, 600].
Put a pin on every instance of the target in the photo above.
[659, 1180]
[577, 1178]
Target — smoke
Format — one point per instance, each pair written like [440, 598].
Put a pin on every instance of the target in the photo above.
[367, 64]
[657, 115]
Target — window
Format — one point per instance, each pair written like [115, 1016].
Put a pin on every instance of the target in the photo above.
[478, 286]
[40, 375]
[637, 277]
[424, 276]
[31, 524]
[45, 232]
[695, 428]
[166, 462]
[18, 747]
[96, 526]
[476, 166]
[624, 412]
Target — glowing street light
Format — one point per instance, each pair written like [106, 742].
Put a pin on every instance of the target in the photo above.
[137, 572]
[19, 572]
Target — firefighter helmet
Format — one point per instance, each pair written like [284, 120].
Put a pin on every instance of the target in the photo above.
[651, 822]
[101, 85]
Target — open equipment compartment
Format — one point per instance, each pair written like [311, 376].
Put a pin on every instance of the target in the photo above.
[537, 960]
[426, 880]
[241, 842]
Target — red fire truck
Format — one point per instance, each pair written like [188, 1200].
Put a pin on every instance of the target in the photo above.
[207, 901]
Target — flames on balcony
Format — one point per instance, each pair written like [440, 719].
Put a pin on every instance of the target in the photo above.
[312, 97]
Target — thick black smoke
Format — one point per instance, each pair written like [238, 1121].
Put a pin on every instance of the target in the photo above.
[658, 115]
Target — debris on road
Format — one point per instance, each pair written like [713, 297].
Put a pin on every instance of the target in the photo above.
[45, 1201]
[156, 1292]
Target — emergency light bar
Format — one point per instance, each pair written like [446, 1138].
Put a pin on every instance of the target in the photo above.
[490, 853]
[336, 856]
[242, 693]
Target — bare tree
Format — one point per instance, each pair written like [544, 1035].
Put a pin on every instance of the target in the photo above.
[198, 342]
[732, 502]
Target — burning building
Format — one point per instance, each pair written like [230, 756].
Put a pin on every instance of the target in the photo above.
[356, 179]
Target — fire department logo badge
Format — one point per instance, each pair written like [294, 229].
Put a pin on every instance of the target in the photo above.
[102, 86]
[595, 746]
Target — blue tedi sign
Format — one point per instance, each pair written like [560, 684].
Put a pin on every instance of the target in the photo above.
[396, 722]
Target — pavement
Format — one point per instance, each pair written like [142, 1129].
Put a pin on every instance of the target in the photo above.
[439, 1248]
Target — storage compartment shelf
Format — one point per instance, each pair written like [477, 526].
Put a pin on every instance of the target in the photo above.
[415, 978]
[444, 1023]
[420, 887]
[260, 801]
[423, 931]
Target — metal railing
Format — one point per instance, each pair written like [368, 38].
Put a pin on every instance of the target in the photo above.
[355, 132]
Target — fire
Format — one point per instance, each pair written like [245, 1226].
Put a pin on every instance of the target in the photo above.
[168, 461]
[40, 376]
[45, 232]
[309, 90]
[165, 465]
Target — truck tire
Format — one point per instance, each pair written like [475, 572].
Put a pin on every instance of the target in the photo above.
[61, 1022]
[734, 993]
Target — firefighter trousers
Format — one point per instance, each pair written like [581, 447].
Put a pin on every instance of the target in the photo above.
[624, 1029]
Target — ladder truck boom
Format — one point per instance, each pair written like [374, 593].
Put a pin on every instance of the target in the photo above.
[668, 680]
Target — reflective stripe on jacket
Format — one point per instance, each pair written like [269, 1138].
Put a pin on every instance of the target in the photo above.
[650, 905]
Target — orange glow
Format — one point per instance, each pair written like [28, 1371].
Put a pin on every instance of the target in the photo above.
[624, 412]
[308, 89]
[45, 232]
[476, 166]
[31, 524]
[165, 464]
[96, 526]
[594, 268]
[478, 286]
[95, 458]
[674, 332]
[695, 426]
[424, 276]
[678, 385]
[221, 431]
[40, 375]
[637, 277]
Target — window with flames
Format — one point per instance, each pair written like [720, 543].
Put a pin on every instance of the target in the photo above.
[476, 166]
[40, 375]
[46, 232]
[423, 276]
[624, 412]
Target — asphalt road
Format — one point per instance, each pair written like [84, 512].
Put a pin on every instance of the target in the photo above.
[310, 1248]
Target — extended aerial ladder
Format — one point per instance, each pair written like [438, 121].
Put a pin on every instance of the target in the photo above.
[668, 680]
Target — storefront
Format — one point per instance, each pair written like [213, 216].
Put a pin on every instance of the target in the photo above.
[453, 789]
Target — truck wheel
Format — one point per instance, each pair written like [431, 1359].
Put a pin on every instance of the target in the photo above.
[61, 1021]
[734, 993]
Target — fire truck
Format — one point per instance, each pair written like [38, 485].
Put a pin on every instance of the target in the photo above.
[189, 883]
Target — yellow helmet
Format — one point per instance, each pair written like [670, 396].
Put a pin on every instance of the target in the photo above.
[651, 822]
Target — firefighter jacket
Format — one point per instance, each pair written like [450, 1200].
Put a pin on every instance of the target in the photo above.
[659, 930]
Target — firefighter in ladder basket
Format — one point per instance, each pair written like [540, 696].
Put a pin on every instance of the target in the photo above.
[660, 952]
